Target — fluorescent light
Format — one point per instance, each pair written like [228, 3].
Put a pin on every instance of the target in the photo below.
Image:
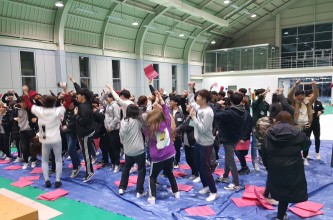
[85, 10]
[59, 4]
[135, 23]
[286, 32]
[253, 15]
[181, 35]
[213, 42]
[115, 18]
[226, 2]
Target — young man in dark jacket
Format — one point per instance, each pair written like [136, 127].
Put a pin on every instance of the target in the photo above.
[260, 109]
[178, 117]
[231, 124]
[85, 130]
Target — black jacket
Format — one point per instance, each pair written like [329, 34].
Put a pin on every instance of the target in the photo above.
[85, 120]
[286, 178]
[189, 130]
[317, 106]
[247, 128]
[230, 123]
[259, 109]
[100, 129]
[70, 122]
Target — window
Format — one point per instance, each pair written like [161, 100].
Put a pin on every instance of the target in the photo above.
[84, 72]
[116, 75]
[174, 78]
[28, 69]
[156, 81]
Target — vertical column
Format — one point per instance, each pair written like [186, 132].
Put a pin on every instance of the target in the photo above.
[278, 30]
[141, 80]
[60, 61]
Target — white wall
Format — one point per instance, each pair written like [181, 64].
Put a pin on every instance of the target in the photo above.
[131, 71]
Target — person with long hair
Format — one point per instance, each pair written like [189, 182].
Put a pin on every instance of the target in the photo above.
[49, 121]
[162, 149]
[286, 180]
[134, 149]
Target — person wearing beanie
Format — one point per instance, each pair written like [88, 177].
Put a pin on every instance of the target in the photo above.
[303, 106]
[259, 109]
[85, 130]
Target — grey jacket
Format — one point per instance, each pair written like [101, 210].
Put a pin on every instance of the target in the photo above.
[131, 137]
[112, 116]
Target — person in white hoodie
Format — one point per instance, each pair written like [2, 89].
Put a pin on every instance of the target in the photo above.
[49, 121]
[132, 139]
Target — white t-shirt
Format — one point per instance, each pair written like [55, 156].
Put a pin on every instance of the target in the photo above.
[303, 117]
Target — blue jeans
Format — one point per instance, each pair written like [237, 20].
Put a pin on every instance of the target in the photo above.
[202, 163]
[72, 141]
[254, 153]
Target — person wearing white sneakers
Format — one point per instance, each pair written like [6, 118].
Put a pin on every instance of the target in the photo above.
[132, 139]
[203, 116]
[4, 135]
[49, 121]
[318, 110]
[162, 150]
[303, 115]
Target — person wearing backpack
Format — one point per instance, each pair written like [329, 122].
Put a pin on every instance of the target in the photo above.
[162, 149]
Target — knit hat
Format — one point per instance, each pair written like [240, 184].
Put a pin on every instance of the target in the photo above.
[221, 88]
[32, 94]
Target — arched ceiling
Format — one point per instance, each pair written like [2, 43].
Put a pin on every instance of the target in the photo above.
[107, 24]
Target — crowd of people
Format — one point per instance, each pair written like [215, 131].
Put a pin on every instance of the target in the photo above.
[152, 130]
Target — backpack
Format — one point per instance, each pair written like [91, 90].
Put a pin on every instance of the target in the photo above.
[163, 139]
[260, 130]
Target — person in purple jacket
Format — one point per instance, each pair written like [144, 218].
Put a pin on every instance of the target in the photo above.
[162, 150]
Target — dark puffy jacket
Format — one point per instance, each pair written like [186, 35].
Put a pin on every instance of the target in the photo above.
[231, 124]
[247, 127]
[100, 129]
[259, 109]
[286, 178]
[185, 127]
[178, 118]
[85, 123]
[70, 122]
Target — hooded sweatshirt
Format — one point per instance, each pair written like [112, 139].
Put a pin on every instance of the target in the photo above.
[131, 137]
[169, 151]
[231, 124]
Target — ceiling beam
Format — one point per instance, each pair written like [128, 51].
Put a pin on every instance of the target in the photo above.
[204, 4]
[169, 34]
[190, 41]
[142, 32]
[106, 22]
[59, 24]
[265, 18]
[188, 9]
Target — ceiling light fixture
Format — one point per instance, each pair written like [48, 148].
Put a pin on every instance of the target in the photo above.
[286, 32]
[59, 4]
[181, 35]
[253, 15]
[135, 23]
[226, 2]
[213, 42]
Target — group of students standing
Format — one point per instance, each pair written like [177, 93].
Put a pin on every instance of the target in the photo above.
[156, 128]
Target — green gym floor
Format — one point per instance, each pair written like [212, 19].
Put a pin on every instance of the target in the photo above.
[70, 208]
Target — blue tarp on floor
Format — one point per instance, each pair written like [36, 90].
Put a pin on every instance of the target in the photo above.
[103, 193]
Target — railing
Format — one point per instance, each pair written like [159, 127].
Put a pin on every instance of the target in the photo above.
[295, 62]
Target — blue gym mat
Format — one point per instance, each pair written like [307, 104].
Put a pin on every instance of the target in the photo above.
[103, 193]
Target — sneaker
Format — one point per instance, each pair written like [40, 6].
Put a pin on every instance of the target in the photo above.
[306, 162]
[197, 180]
[47, 184]
[8, 159]
[192, 177]
[68, 158]
[93, 160]
[222, 180]
[75, 172]
[147, 163]
[138, 195]
[204, 191]
[57, 184]
[33, 164]
[121, 192]
[133, 169]
[176, 165]
[213, 168]
[273, 202]
[25, 166]
[309, 157]
[212, 197]
[87, 178]
[177, 195]
[116, 169]
[151, 200]
[256, 167]
[317, 156]
[232, 187]
[244, 171]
